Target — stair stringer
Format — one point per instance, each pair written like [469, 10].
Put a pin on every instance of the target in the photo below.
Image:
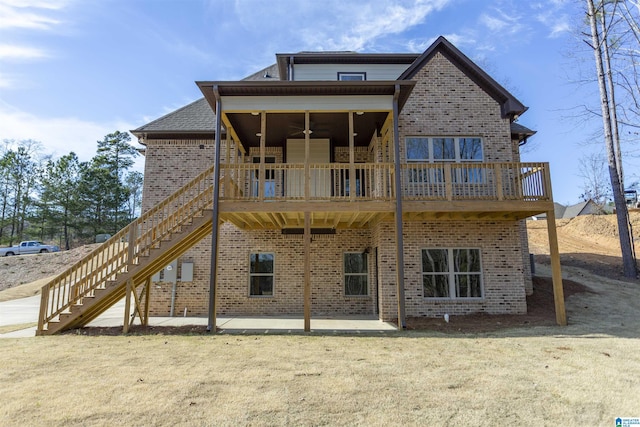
[91, 307]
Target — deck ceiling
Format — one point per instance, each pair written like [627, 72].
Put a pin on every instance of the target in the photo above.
[362, 215]
[281, 126]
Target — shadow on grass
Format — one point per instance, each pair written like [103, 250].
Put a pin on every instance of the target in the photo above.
[539, 321]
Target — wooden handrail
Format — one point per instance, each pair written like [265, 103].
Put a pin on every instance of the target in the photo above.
[373, 181]
[122, 251]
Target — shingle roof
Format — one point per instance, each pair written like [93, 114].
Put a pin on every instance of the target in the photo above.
[197, 117]
[517, 128]
[575, 210]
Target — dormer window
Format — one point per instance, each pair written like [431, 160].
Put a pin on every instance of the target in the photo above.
[352, 76]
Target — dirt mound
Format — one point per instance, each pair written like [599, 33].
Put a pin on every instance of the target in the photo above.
[599, 225]
[18, 270]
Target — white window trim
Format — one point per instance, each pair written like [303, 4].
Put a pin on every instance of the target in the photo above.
[456, 139]
[273, 275]
[344, 275]
[452, 277]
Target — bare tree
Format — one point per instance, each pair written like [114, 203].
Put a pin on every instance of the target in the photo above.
[593, 171]
[597, 42]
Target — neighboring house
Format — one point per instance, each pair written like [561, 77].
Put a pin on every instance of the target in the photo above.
[385, 185]
[588, 207]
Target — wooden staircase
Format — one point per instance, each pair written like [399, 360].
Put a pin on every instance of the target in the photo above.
[128, 259]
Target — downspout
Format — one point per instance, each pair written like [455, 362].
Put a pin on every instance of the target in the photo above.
[174, 290]
[402, 324]
[211, 325]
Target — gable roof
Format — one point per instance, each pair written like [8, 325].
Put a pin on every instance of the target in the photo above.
[509, 105]
[575, 210]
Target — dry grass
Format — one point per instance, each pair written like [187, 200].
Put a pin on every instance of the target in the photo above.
[18, 327]
[24, 291]
[585, 374]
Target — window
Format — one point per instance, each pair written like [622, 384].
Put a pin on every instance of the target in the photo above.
[451, 273]
[352, 76]
[269, 178]
[261, 274]
[442, 149]
[445, 149]
[470, 149]
[356, 274]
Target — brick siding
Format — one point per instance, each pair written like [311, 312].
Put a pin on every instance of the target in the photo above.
[443, 103]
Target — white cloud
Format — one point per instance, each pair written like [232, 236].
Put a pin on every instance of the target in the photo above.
[501, 21]
[59, 135]
[29, 14]
[559, 27]
[458, 40]
[336, 24]
[21, 52]
[554, 17]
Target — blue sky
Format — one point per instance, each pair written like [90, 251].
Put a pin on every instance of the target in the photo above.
[72, 71]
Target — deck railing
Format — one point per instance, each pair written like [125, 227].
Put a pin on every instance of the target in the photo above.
[251, 182]
[374, 181]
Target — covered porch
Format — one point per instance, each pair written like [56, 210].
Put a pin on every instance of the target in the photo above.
[299, 157]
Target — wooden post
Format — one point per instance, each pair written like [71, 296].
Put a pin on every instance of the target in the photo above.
[307, 155]
[127, 307]
[44, 302]
[263, 139]
[448, 185]
[147, 290]
[352, 156]
[132, 242]
[227, 171]
[307, 271]
[556, 272]
[498, 181]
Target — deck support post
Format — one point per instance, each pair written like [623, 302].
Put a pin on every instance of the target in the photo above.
[211, 324]
[307, 271]
[402, 323]
[556, 272]
[127, 306]
[147, 297]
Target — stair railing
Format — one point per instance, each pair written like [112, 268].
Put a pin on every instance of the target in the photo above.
[123, 250]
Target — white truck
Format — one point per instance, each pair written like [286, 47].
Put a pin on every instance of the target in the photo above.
[28, 247]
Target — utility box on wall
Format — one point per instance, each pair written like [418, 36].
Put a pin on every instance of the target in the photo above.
[167, 274]
[186, 274]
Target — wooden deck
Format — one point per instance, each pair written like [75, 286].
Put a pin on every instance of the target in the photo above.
[275, 196]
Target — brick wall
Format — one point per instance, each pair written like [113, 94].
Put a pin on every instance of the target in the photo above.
[327, 285]
[502, 268]
[444, 102]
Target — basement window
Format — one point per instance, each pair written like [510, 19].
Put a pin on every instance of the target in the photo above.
[356, 274]
[451, 273]
[261, 274]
